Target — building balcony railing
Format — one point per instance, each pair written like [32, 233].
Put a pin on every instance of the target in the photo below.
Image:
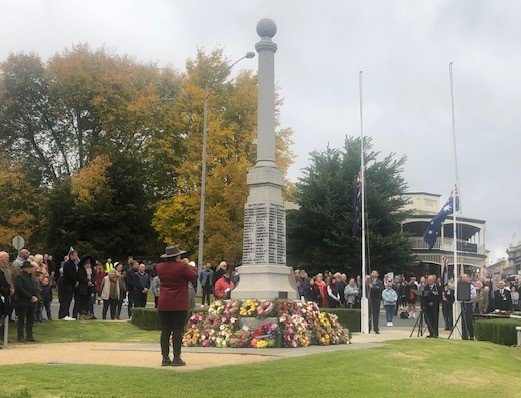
[462, 259]
[446, 245]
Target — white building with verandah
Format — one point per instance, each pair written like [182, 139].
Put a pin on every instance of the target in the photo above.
[471, 237]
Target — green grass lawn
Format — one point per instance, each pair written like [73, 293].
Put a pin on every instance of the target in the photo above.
[68, 331]
[409, 368]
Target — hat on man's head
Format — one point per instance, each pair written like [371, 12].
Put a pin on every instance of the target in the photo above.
[26, 264]
[172, 251]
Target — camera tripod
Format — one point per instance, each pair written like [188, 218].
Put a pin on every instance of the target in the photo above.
[420, 324]
[462, 314]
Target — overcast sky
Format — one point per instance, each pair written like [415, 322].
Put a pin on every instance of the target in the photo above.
[404, 48]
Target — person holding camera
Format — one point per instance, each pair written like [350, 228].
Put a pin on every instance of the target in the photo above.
[431, 305]
[173, 303]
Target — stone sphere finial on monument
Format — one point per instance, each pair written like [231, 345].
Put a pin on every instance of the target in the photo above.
[266, 28]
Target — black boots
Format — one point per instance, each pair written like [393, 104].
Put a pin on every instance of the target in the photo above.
[178, 362]
[166, 362]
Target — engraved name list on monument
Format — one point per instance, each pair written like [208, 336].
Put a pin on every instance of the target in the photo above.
[264, 241]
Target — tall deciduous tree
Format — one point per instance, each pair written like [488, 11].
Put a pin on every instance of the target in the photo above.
[21, 203]
[83, 103]
[231, 152]
[320, 232]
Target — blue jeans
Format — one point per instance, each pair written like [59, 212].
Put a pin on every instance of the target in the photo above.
[389, 312]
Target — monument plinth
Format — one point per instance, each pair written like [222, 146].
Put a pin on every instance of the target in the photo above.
[264, 273]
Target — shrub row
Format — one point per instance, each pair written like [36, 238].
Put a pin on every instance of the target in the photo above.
[499, 331]
[148, 318]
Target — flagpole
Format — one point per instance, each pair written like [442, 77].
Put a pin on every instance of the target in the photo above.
[456, 310]
[364, 302]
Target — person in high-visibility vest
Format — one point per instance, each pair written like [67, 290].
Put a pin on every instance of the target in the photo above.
[108, 265]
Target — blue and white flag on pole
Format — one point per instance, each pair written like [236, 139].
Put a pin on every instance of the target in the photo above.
[434, 228]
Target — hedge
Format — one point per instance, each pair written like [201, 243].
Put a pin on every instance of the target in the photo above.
[148, 318]
[348, 318]
[499, 331]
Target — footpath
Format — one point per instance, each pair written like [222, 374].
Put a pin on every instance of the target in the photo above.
[148, 355]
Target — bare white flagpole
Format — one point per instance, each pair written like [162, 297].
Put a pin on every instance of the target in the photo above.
[456, 306]
[364, 302]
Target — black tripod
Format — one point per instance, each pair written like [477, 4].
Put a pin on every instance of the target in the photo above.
[420, 323]
[463, 313]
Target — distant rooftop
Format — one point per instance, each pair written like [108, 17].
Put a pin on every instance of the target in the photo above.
[422, 193]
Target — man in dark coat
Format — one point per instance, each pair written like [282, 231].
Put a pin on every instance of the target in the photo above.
[129, 282]
[141, 284]
[68, 285]
[502, 298]
[82, 290]
[25, 297]
[376, 287]
[173, 303]
[431, 305]
[206, 279]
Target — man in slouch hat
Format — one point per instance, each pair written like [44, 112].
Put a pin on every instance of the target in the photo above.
[173, 302]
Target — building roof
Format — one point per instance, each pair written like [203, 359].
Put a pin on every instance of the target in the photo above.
[421, 193]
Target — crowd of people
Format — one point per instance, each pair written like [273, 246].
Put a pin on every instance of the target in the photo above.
[28, 282]
[407, 297]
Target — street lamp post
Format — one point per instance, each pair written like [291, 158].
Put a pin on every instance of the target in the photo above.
[207, 90]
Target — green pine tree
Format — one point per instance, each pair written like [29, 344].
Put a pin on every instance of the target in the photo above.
[320, 232]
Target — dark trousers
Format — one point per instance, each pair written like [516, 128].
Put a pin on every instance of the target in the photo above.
[118, 308]
[38, 315]
[47, 305]
[207, 290]
[156, 300]
[374, 314]
[140, 299]
[467, 322]
[112, 303]
[432, 314]
[81, 304]
[25, 319]
[447, 315]
[65, 303]
[172, 322]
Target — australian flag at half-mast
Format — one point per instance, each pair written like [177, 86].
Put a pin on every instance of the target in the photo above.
[434, 228]
[357, 205]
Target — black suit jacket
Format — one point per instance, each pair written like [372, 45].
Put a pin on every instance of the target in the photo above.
[431, 295]
[5, 293]
[503, 301]
[375, 294]
[70, 275]
[24, 289]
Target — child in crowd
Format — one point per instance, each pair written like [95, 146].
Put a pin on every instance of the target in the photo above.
[46, 292]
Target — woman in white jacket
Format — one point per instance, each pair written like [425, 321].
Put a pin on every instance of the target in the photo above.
[390, 298]
[110, 293]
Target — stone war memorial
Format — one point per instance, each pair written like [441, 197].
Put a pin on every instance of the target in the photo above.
[264, 274]
[264, 311]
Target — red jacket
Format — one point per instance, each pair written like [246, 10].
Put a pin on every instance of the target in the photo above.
[100, 275]
[220, 287]
[174, 277]
[323, 291]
